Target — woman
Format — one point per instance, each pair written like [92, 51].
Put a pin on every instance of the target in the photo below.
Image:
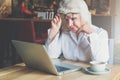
[82, 41]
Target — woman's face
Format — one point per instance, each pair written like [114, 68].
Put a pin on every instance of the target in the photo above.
[73, 21]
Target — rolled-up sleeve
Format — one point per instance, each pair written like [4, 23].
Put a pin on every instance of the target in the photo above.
[99, 45]
[54, 47]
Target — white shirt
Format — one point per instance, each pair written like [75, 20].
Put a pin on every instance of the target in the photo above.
[87, 47]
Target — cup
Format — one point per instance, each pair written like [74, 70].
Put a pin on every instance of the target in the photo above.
[97, 66]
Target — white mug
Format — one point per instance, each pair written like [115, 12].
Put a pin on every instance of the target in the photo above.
[97, 66]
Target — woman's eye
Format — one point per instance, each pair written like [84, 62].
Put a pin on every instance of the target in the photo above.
[73, 19]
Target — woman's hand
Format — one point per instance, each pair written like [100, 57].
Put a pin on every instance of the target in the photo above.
[85, 28]
[56, 23]
[55, 26]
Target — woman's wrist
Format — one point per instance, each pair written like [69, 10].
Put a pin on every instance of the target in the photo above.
[53, 33]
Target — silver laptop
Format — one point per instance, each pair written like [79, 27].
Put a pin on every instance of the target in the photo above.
[35, 56]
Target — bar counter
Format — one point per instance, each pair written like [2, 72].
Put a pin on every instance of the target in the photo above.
[33, 19]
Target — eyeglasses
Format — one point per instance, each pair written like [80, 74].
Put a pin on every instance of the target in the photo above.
[72, 16]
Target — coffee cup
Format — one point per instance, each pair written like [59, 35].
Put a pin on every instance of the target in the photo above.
[97, 66]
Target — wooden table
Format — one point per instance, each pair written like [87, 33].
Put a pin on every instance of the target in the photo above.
[21, 72]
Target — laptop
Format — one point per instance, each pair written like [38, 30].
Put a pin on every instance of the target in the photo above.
[35, 56]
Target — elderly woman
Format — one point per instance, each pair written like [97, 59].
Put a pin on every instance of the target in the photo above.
[82, 41]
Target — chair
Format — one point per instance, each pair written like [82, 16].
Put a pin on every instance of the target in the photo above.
[27, 31]
[111, 51]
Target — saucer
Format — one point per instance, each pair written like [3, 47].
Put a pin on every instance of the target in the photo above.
[97, 73]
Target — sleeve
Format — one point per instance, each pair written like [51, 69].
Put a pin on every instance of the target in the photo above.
[23, 9]
[54, 47]
[99, 45]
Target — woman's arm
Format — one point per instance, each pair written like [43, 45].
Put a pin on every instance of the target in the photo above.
[53, 43]
[54, 47]
[55, 27]
[99, 45]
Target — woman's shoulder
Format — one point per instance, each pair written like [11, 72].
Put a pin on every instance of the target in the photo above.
[98, 29]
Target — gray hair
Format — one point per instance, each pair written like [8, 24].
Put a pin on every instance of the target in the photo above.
[75, 6]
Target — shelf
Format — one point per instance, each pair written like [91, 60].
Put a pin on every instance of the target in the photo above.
[100, 15]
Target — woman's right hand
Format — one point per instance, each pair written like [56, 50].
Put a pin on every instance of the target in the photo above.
[56, 23]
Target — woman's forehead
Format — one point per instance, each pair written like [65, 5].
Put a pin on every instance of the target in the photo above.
[72, 14]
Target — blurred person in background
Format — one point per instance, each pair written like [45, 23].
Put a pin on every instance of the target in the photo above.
[26, 8]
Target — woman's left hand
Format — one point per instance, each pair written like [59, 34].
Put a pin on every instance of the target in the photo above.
[85, 28]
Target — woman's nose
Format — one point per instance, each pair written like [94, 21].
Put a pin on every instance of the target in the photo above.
[70, 22]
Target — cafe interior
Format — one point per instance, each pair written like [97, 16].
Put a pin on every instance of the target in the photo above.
[14, 25]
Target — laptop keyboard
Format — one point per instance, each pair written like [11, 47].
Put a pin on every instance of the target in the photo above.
[60, 68]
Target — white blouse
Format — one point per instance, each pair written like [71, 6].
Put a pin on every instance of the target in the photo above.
[87, 47]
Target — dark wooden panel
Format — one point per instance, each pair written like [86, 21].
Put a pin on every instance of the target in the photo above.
[104, 22]
[9, 30]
